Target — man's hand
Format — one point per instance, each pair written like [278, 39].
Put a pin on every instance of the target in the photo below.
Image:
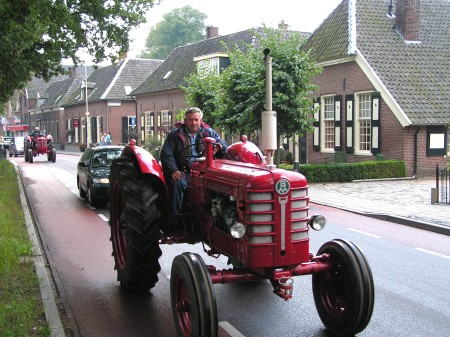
[216, 148]
[177, 175]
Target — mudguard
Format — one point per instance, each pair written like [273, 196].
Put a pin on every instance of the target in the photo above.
[147, 163]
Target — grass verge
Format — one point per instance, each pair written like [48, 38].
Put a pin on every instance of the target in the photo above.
[21, 309]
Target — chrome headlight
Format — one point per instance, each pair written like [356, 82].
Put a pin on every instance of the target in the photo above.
[317, 222]
[237, 230]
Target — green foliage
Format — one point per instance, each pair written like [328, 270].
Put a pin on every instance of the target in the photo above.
[38, 34]
[342, 172]
[21, 310]
[152, 144]
[178, 28]
[237, 96]
[288, 157]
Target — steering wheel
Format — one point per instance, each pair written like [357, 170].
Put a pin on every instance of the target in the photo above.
[191, 156]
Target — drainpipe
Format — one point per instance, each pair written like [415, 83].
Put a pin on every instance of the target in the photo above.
[136, 113]
[415, 150]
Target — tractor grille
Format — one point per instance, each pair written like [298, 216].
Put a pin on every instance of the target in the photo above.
[261, 216]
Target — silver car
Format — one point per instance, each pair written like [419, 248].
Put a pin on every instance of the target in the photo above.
[17, 146]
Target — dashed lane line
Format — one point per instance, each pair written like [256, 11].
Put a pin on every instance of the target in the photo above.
[364, 233]
[433, 253]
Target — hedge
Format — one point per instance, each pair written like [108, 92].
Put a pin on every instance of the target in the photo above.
[346, 172]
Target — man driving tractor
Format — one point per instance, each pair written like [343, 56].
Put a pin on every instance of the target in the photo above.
[36, 132]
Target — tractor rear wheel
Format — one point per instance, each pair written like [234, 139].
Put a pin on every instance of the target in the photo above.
[194, 306]
[30, 155]
[134, 221]
[344, 294]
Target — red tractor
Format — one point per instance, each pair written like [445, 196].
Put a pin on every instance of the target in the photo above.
[39, 145]
[241, 207]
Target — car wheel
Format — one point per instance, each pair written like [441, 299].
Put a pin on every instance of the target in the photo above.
[80, 189]
[91, 200]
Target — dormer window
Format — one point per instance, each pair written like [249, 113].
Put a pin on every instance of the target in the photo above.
[216, 62]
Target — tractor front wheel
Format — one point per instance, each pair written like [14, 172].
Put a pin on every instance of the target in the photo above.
[194, 306]
[53, 155]
[134, 221]
[344, 294]
[30, 155]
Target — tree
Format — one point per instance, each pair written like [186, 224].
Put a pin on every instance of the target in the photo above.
[238, 94]
[178, 28]
[36, 35]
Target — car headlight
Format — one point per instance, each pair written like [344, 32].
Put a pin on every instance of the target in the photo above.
[100, 180]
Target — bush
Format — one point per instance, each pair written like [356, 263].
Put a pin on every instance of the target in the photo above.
[347, 172]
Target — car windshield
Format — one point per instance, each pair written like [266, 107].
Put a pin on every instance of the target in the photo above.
[18, 140]
[105, 158]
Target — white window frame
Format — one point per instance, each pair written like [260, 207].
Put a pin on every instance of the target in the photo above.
[327, 123]
[367, 150]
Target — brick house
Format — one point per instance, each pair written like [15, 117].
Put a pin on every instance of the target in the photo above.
[102, 103]
[385, 83]
[160, 97]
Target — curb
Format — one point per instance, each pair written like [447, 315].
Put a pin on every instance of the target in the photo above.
[48, 300]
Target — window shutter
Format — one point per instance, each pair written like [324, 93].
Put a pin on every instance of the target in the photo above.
[316, 125]
[337, 123]
[100, 125]
[124, 130]
[375, 123]
[349, 124]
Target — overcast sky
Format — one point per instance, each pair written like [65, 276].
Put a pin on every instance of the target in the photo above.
[232, 16]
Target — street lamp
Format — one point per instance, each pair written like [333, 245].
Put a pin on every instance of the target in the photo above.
[88, 124]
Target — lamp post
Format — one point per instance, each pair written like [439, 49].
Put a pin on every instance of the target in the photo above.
[88, 124]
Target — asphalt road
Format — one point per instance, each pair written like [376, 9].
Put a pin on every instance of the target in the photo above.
[410, 268]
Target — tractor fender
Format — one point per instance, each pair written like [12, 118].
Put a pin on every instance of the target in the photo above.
[147, 163]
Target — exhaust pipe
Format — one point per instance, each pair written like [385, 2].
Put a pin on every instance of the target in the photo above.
[269, 117]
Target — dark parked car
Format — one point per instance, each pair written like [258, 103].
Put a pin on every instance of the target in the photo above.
[93, 173]
[6, 142]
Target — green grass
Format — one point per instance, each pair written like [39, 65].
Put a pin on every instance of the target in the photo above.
[21, 309]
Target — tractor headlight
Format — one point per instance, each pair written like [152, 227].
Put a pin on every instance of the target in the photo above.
[237, 230]
[317, 222]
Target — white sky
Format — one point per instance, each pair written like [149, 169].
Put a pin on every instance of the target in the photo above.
[232, 16]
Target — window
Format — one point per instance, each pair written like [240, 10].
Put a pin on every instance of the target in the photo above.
[149, 127]
[212, 63]
[363, 125]
[328, 124]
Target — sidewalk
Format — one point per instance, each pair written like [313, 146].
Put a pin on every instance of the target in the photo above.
[406, 201]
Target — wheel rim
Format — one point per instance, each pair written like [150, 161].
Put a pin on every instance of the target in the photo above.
[335, 290]
[119, 228]
[183, 307]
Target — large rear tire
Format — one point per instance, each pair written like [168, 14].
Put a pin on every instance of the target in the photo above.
[53, 155]
[194, 306]
[134, 221]
[344, 294]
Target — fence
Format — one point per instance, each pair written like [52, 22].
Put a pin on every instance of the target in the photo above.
[443, 184]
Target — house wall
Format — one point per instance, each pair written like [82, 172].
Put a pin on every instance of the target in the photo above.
[396, 142]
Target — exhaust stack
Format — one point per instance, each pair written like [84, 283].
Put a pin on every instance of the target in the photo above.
[269, 117]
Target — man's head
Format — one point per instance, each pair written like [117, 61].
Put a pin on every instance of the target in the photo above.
[36, 129]
[193, 119]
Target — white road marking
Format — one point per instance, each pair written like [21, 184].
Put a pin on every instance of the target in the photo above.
[104, 218]
[231, 330]
[433, 253]
[365, 233]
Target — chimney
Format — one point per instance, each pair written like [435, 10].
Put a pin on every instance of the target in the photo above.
[283, 26]
[212, 32]
[407, 13]
[73, 72]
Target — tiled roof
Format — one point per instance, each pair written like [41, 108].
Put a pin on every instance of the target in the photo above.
[109, 82]
[415, 74]
[181, 61]
[59, 91]
[330, 40]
